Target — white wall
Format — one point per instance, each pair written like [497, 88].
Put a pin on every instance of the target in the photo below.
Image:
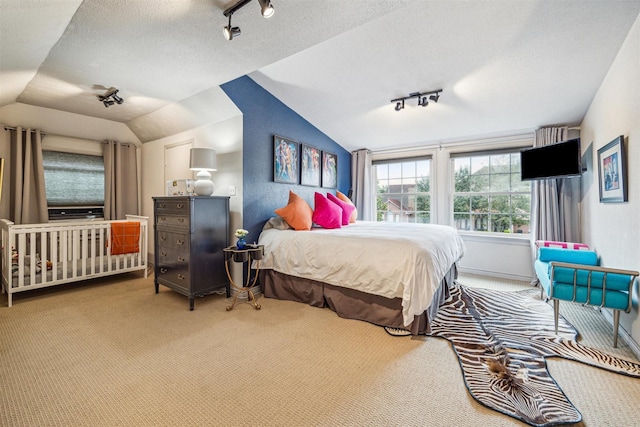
[226, 138]
[613, 229]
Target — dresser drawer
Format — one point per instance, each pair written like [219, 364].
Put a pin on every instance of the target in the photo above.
[172, 220]
[172, 258]
[175, 241]
[178, 205]
[174, 275]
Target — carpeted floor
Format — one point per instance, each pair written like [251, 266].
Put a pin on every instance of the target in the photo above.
[114, 353]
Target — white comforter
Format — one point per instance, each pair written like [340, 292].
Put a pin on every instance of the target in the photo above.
[388, 259]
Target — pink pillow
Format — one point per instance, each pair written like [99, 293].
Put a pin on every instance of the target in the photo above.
[562, 245]
[344, 198]
[347, 209]
[326, 213]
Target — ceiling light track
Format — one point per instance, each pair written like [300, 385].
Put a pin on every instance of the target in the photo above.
[423, 98]
[229, 31]
[110, 97]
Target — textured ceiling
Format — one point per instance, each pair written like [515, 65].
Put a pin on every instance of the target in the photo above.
[504, 66]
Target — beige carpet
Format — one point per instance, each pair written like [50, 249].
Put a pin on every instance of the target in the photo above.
[113, 353]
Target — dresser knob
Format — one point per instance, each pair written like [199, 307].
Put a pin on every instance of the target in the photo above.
[179, 205]
[181, 277]
[161, 205]
[163, 270]
[181, 259]
[180, 242]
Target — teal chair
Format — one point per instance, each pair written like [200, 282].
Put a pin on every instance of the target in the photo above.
[576, 276]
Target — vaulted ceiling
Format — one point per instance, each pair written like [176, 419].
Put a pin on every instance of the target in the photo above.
[504, 67]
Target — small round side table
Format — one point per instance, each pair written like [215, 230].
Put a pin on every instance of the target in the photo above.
[248, 254]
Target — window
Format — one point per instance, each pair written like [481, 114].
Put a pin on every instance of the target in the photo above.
[74, 184]
[404, 190]
[488, 194]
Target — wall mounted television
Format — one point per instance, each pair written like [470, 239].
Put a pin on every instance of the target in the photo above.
[559, 160]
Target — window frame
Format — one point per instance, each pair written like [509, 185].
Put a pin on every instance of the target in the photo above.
[73, 211]
[430, 194]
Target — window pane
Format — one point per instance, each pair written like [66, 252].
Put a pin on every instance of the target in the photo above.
[73, 179]
[479, 183]
[480, 204]
[408, 185]
[500, 204]
[500, 163]
[395, 170]
[500, 182]
[462, 221]
[461, 204]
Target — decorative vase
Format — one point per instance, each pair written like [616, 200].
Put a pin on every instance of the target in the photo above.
[241, 243]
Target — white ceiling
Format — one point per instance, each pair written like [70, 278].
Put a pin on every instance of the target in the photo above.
[504, 66]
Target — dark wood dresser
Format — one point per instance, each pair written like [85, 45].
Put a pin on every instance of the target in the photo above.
[190, 235]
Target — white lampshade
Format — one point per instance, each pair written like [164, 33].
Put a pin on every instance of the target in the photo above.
[203, 160]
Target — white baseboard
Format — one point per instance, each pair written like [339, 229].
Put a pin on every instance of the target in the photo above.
[623, 334]
[495, 274]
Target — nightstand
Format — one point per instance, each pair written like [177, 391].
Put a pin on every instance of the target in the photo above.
[247, 255]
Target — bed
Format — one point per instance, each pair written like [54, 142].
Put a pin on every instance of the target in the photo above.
[36, 256]
[390, 274]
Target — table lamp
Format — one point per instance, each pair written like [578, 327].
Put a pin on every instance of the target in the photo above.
[203, 160]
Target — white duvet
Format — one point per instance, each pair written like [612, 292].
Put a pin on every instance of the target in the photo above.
[393, 260]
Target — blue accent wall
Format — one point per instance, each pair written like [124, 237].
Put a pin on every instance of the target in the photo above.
[263, 117]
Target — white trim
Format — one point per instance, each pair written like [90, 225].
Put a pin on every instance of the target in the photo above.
[494, 274]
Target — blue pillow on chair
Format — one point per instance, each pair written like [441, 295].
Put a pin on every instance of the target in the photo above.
[568, 255]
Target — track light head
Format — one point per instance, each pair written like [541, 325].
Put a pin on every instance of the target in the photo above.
[266, 8]
[435, 97]
[423, 101]
[400, 105]
[110, 97]
[229, 31]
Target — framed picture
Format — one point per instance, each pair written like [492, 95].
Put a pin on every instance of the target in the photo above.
[329, 170]
[285, 160]
[612, 172]
[310, 165]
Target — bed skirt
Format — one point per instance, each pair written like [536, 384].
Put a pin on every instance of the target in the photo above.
[352, 304]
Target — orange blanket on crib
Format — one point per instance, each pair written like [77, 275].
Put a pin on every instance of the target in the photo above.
[125, 237]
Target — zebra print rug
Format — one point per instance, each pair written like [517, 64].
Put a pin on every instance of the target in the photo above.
[502, 339]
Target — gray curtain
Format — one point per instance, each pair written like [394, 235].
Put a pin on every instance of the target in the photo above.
[28, 197]
[363, 185]
[121, 180]
[555, 212]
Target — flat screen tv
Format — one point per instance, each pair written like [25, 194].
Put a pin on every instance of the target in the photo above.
[559, 160]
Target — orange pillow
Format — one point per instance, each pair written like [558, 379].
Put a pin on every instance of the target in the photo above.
[125, 237]
[348, 201]
[297, 213]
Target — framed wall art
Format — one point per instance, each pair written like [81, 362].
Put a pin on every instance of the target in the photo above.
[285, 160]
[612, 172]
[310, 165]
[329, 170]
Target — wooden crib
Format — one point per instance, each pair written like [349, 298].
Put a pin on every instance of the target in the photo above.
[41, 255]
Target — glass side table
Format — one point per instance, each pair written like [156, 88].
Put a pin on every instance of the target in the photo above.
[247, 255]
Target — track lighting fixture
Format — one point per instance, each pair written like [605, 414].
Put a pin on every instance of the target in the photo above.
[230, 32]
[110, 97]
[423, 101]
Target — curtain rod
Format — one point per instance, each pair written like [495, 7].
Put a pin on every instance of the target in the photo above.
[73, 137]
[13, 128]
